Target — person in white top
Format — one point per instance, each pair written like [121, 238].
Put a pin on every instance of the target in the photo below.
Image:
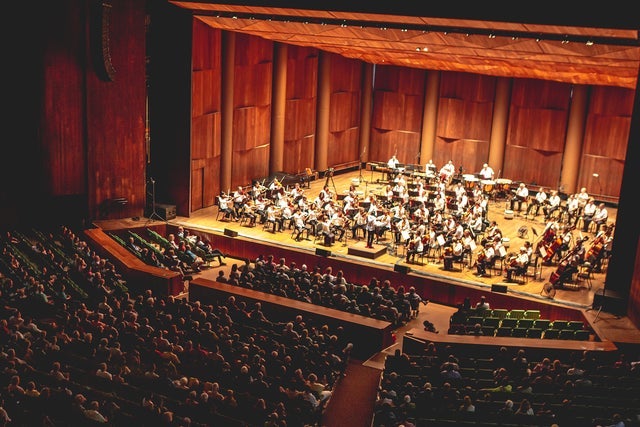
[486, 172]
[587, 214]
[553, 204]
[414, 248]
[518, 264]
[392, 164]
[447, 171]
[521, 196]
[600, 216]
[536, 202]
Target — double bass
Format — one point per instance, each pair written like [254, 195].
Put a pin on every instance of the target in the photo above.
[566, 266]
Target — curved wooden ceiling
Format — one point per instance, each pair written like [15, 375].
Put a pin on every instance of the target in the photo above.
[571, 54]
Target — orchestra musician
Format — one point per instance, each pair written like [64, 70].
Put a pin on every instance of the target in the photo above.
[573, 209]
[486, 172]
[271, 217]
[601, 248]
[359, 222]
[485, 259]
[521, 195]
[370, 227]
[430, 168]
[518, 264]
[338, 224]
[225, 204]
[414, 248]
[239, 197]
[600, 216]
[568, 265]
[247, 211]
[392, 164]
[587, 213]
[553, 204]
[454, 255]
[257, 189]
[447, 171]
[539, 200]
[299, 225]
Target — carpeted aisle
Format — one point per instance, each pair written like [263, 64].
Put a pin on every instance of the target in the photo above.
[353, 398]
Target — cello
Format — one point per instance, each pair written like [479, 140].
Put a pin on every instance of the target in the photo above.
[555, 245]
[565, 266]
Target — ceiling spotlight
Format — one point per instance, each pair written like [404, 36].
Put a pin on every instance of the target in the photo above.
[418, 49]
[538, 40]
[589, 43]
[514, 38]
[492, 36]
[425, 49]
[565, 41]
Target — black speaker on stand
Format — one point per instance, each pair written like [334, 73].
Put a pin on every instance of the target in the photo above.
[323, 252]
[401, 268]
[499, 288]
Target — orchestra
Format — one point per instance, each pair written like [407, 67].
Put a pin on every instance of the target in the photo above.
[436, 213]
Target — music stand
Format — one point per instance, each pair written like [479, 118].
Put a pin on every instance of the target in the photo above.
[153, 201]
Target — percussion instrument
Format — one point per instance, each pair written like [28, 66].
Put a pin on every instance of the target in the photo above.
[508, 214]
[487, 185]
[470, 181]
[506, 242]
[504, 183]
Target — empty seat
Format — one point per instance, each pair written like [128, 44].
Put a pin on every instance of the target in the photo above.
[503, 331]
[542, 324]
[511, 323]
[519, 332]
[525, 323]
[500, 312]
[581, 335]
[516, 314]
[551, 334]
[560, 324]
[566, 334]
[532, 314]
[575, 325]
[534, 333]
[491, 321]
[488, 331]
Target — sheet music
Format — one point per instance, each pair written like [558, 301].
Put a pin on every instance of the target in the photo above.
[502, 251]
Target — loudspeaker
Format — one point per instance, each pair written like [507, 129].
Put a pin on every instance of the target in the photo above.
[323, 252]
[166, 212]
[230, 233]
[610, 301]
[401, 268]
[499, 288]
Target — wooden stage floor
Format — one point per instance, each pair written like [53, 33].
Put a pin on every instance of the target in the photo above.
[581, 297]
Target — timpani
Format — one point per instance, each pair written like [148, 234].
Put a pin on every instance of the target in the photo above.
[487, 185]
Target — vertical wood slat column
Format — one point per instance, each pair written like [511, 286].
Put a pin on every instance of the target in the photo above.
[276, 156]
[429, 115]
[575, 135]
[322, 119]
[499, 125]
[366, 109]
[228, 71]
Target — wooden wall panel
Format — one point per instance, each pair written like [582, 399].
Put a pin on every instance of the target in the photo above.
[398, 104]
[471, 87]
[465, 113]
[302, 72]
[542, 94]
[539, 129]
[253, 71]
[539, 167]
[300, 108]
[206, 41]
[115, 144]
[64, 171]
[205, 92]
[206, 98]
[341, 148]
[248, 165]
[300, 118]
[205, 136]
[298, 154]
[344, 111]
[251, 127]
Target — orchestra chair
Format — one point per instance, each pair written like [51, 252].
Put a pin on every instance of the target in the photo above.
[585, 273]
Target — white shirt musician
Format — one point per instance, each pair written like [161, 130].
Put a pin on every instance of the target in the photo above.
[403, 230]
[553, 204]
[485, 259]
[430, 168]
[275, 185]
[573, 208]
[415, 247]
[447, 171]
[393, 162]
[518, 263]
[600, 216]
[539, 200]
[583, 197]
[487, 172]
[297, 191]
[521, 196]
[439, 203]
